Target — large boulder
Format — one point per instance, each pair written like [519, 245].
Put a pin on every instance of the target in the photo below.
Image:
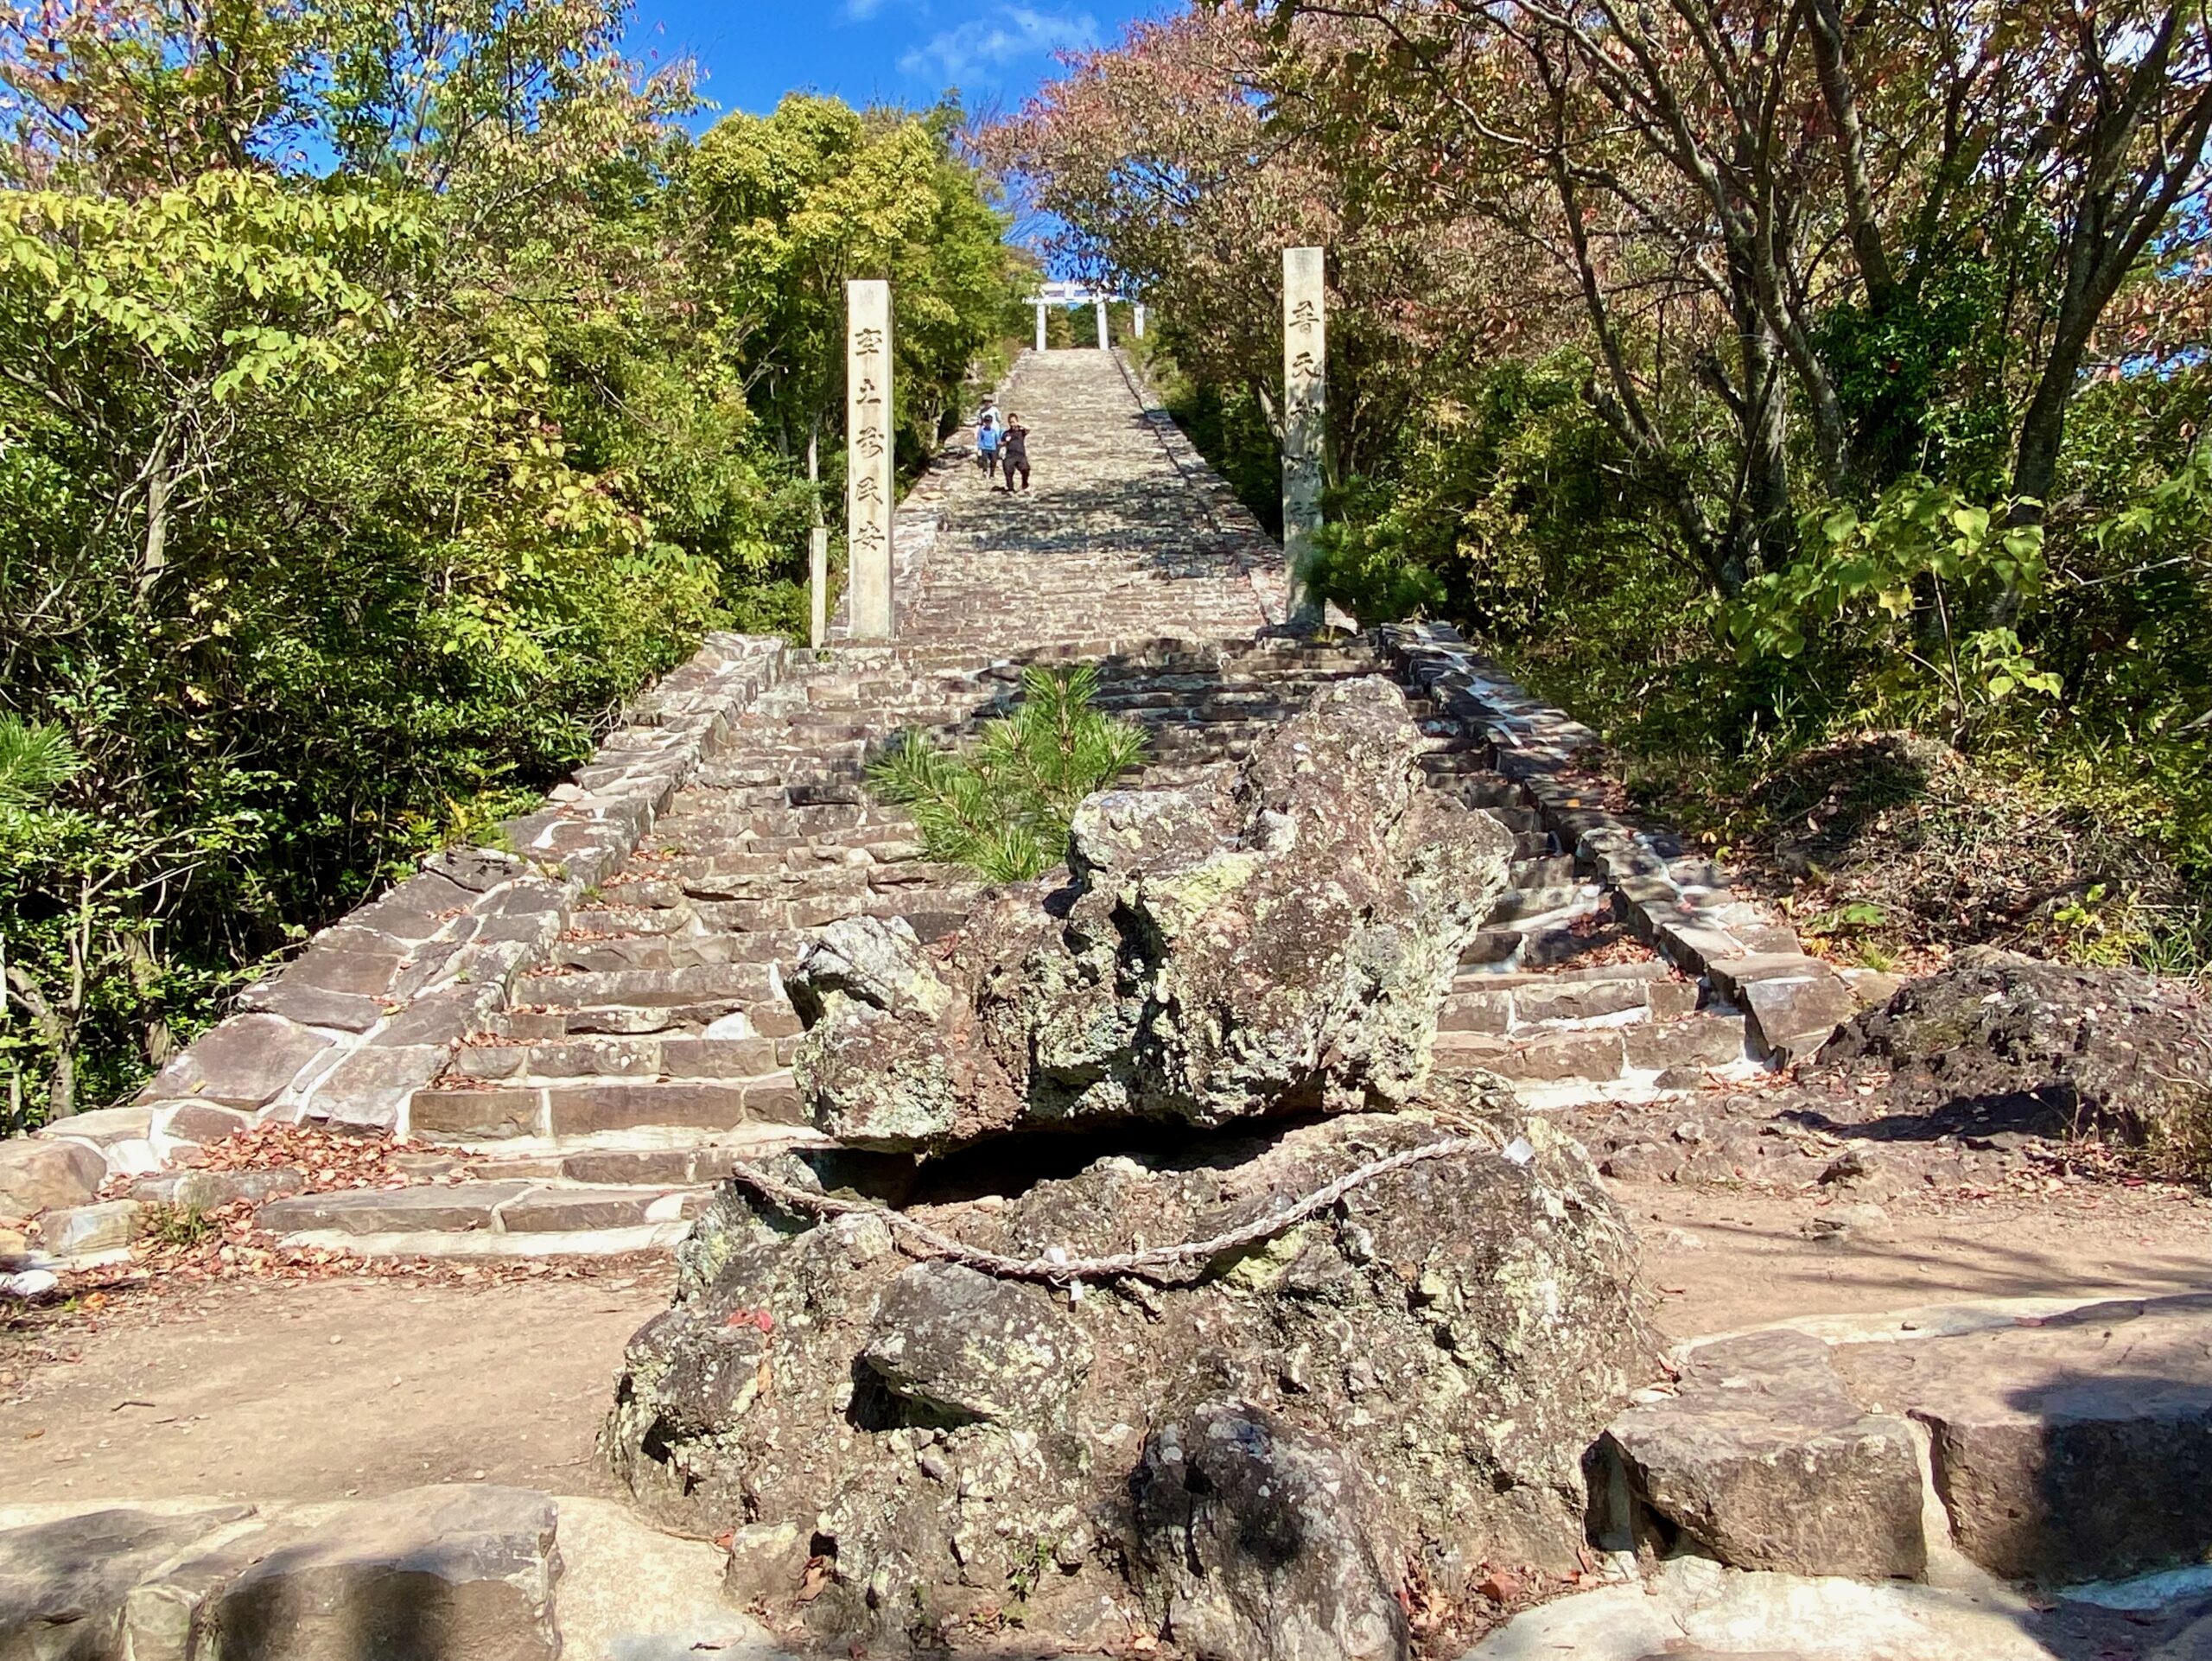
[1260, 1540]
[1763, 1458]
[1276, 936]
[1398, 1386]
[41, 1174]
[1995, 1042]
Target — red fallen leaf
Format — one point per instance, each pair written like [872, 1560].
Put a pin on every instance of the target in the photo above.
[1501, 1586]
[727, 1538]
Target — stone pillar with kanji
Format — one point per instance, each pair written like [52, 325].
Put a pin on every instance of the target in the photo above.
[1104, 342]
[1305, 419]
[869, 481]
[1040, 325]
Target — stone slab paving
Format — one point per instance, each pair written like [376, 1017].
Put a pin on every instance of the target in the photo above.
[1113, 541]
[473, 1570]
[600, 1007]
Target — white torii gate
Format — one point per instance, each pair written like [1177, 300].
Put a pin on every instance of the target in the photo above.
[1076, 294]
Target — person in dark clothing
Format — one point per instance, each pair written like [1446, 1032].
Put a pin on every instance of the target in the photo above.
[1013, 453]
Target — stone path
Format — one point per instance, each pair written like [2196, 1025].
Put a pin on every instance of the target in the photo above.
[578, 1044]
[639, 1050]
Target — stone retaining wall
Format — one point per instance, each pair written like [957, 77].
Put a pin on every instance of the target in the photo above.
[368, 1013]
[1666, 891]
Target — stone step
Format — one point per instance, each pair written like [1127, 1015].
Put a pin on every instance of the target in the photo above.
[2063, 1445]
[733, 984]
[1539, 1001]
[1492, 980]
[1546, 870]
[745, 1018]
[651, 1056]
[503, 1217]
[1597, 1055]
[481, 1114]
[676, 1166]
[1563, 899]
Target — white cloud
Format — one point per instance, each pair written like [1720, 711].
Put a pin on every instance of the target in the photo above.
[858, 11]
[955, 54]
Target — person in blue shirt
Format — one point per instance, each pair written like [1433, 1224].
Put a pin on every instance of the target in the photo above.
[986, 442]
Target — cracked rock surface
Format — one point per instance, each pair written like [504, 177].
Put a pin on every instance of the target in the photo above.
[1273, 937]
[1388, 1393]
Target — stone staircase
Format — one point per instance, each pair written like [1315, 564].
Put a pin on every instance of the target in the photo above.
[653, 1047]
[576, 1035]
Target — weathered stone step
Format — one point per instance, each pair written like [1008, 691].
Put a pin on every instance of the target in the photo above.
[1544, 871]
[1537, 1000]
[650, 1056]
[671, 1166]
[1491, 979]
[765, 1016]
[734, 983]
[478, 1115]
[512, 1206]
[1638, 1052]
[2064, 1446]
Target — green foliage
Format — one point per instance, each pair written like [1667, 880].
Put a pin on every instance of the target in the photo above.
[1002, 806]
[1898, 584]
[33, 760]
[797, 201]
[339, 510]
[175, 1225]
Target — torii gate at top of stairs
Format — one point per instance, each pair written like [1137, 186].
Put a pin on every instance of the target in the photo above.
[1077, 294]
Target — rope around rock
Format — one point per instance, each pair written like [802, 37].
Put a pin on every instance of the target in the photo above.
[1154, 1262]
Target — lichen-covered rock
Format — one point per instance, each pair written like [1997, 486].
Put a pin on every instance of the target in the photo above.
[1274, 937]
[1427, 1361]
[1994, 1041]
[947, 1340]
[1258, 1540]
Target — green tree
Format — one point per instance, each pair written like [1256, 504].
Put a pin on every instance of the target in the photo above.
[341, 505]
[796, 203]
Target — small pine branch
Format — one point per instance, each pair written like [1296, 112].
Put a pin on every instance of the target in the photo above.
[34, 762]
[1002, 807]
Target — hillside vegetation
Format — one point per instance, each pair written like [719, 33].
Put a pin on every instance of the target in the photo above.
[386, 393]
[1784, 389]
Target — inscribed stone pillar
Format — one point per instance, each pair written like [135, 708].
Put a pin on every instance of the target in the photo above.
[868, 457]
[1305, 418]
[1040, 325]
[1101, 303]
[1136, 320]
[817, 585]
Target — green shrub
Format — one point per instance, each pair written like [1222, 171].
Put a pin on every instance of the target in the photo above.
[1002, 806]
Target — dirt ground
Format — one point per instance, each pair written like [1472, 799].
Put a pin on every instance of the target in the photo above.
[1723, 1260]
[321, 1389]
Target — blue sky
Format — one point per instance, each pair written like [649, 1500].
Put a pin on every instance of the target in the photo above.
[894, 51]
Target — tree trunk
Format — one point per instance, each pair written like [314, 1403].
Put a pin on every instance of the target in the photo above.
[58, 1035]
[156, 559]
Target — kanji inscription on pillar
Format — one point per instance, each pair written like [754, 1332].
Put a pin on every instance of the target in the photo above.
[868, 482]
[1305, 417]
